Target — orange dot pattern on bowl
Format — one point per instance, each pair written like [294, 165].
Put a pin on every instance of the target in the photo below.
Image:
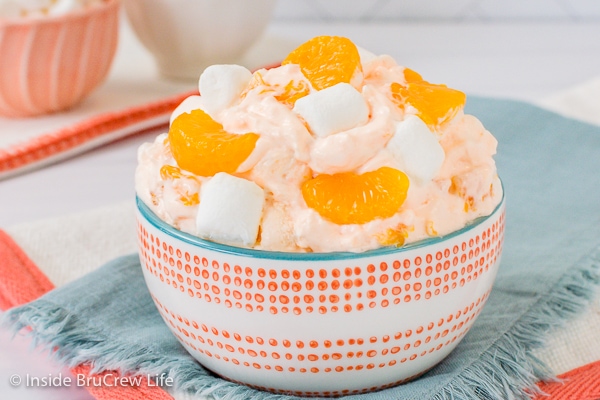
[344, 354]
[346, 289]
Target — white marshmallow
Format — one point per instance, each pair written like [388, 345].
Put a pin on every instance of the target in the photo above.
[365, 55]
[186, 106]
[230, 210]
[332, 110]
[417, 150]
[221, 84]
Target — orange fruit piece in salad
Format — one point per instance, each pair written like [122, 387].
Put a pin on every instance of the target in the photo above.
[412, 76]
[326, 60]
[200, 144]
[175, 174]
[435, 104]
[351, 198]
[292, 92]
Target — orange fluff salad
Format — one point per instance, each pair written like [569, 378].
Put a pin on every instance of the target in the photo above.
[337, 149]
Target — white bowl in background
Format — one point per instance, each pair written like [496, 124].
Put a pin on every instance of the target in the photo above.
[186, 36]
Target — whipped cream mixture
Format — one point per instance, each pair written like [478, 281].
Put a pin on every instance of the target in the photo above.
[464, 185]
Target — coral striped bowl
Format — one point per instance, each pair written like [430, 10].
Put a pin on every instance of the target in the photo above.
[320, 324]
[49, 64]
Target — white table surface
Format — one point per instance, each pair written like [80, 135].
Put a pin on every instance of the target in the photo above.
[526, 61]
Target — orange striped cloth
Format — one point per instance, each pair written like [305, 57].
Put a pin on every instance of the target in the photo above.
[21, 281]
[50, 147]
[75, 135]
[582, 383]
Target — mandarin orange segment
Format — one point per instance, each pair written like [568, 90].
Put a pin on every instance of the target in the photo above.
[350, 198]
[200, 145]
[395, 236]
[326, 60]
[435, 104]
[412, 76]
[292, 92]
[170, 172]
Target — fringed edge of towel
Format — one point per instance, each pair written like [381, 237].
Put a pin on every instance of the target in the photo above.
[520, 370]
[57, 329]
[72, 343]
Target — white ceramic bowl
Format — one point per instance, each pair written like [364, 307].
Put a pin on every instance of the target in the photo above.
[323, 324]
[186, 36]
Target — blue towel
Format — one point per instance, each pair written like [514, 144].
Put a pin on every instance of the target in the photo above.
[550, 166]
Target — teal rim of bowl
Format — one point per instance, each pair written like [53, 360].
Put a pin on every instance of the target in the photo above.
[289, 256]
